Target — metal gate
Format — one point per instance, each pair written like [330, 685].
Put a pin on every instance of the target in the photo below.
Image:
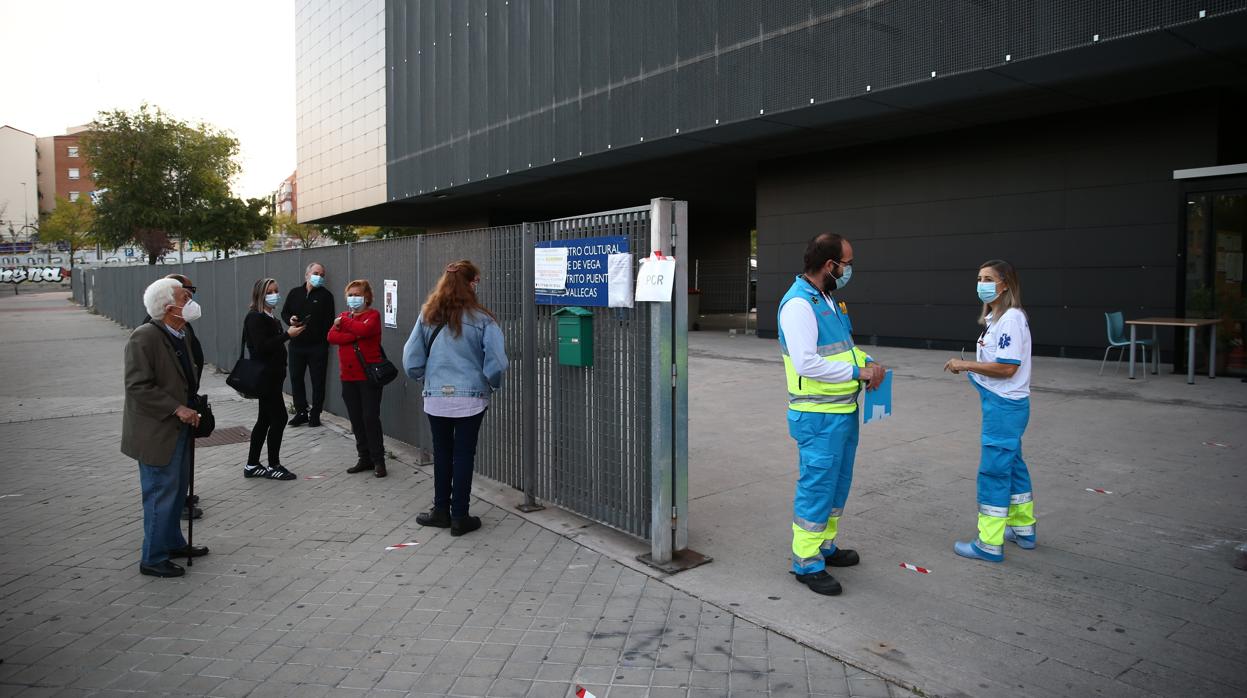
[608, 442]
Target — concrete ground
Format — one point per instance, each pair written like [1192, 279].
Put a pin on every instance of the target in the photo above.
[299, 596]
[1130, 593]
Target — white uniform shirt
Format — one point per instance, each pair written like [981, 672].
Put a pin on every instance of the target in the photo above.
[1006, 341]
[801, 335]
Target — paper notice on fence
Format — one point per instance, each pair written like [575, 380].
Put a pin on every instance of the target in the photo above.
[391, 302]
[551, 268]
[619, 280]
[656, 279]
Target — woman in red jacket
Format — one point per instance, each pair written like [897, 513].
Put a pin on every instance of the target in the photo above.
[356, 332]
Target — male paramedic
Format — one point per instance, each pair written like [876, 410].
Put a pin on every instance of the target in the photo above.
[825, 373]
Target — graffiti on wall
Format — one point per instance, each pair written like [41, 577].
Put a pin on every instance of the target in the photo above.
[17, 275]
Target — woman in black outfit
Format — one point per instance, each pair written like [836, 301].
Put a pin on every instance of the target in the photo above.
[266, 341]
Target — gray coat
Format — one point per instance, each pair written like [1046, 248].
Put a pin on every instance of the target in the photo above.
[155, 388]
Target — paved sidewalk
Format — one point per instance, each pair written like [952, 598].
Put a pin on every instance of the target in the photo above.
[299, 596]
[1130, 593]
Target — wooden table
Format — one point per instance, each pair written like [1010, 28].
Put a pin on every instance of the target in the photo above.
[1191, 324]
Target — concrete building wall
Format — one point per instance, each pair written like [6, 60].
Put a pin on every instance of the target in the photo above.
[1083, 204]
[21, 203]
[73, 173]
[340, 105]
[47, 173]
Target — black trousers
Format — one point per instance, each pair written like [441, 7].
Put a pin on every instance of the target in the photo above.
[269, 425]
[454, 460]
[313, 360]
[363, 406]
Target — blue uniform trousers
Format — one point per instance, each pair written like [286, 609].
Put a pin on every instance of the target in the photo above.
[827, 445]
[1004, 483]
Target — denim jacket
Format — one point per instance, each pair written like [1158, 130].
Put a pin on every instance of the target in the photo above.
[469, 365]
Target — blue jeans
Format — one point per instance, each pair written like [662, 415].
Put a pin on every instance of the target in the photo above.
[454, 458]
[164, 496]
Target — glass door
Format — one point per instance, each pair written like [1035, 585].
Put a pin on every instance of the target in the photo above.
[1216, 228]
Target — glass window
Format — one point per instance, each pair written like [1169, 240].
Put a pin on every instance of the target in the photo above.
[73, 151]
[73, 196]
[73, 173]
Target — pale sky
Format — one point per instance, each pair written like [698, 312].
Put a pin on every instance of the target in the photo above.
[224, 62]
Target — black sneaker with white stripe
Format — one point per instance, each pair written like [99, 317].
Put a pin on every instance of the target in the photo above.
[255, 470]
[279, 472]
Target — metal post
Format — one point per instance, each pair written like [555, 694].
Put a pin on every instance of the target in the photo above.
[662, 512]
[679, 423]
[528, 372]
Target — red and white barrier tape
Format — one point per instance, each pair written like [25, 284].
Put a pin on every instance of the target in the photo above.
[1216, 444]
[1097, 490]
[582, 693]
[313, 477]
[919, 570]
[400, 546]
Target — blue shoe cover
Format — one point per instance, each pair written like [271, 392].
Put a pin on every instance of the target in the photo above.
[1024, 542]
[970, 550]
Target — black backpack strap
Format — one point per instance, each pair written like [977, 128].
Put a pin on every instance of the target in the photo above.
[433, 338]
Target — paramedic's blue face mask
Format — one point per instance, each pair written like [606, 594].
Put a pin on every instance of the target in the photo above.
[987, 291]
[833, 282]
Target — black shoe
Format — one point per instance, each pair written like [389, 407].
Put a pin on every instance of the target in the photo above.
[255, 470]
[360, 466]
[189, 551]
[298, 420]
[313, 419]
[820, 583]
[437, 518]
[464, 524]
[186, 513]
[842, 558]
[279, 472]
[379, 471]
[162, 569]
[193, 499]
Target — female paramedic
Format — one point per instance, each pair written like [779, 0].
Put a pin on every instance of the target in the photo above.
[1001, 372]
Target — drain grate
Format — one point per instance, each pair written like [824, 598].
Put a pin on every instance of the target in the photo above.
[222, 436]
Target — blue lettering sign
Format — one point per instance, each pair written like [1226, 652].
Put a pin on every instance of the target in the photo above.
[587, 276]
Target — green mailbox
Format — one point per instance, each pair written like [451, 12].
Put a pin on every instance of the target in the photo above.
[575, 336]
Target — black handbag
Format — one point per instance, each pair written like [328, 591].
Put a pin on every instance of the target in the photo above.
[247, 376]
[379, 373]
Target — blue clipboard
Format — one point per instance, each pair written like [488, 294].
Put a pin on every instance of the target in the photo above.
[878, 402]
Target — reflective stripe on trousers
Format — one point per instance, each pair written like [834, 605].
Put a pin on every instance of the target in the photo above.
[1004, 484]
[827, 445]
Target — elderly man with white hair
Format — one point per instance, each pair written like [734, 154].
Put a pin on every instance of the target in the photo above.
[156, 425]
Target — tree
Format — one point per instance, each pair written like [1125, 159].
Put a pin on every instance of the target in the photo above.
[307, 235]
[71, 222]
[159, 176]
[233, 224]
[340, 233]
[397, 231]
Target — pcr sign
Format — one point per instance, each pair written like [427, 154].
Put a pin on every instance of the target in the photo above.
[656, 280]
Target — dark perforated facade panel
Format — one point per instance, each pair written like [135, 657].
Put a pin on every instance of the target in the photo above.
[483, 88]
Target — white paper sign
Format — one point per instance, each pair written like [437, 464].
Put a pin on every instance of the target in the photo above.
[551, 268]
[619, 280]
[656, 280]
[390, 307]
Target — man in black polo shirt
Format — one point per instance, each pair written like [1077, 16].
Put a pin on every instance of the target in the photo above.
[310, 305]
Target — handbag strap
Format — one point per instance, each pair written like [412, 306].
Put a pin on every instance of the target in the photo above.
[360, 355]
[433, 338]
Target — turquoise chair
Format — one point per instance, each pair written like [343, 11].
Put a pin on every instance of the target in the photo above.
[1117, 339]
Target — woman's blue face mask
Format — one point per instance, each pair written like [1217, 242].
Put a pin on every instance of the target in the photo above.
[987, 291]
[354, 302]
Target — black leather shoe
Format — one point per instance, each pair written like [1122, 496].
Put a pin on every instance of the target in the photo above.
[193, 499]
[162, 569]
[379, 471]
[360, 466]
[313, 419]
[298, 420]
[464, 524]
[189, 551]
[842, 558]
[437, 518]
[820, 583]
[186, 513]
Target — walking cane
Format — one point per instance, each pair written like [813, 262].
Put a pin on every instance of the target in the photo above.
[190, 508]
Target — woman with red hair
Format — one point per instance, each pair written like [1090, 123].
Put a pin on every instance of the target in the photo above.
[456, 349]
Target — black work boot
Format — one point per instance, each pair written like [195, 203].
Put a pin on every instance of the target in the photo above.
[842, 558]
[820, 583]
[379, 471]
[298, 420]
[464, 524]
[313, 419]
[360, 466]
[437, 518]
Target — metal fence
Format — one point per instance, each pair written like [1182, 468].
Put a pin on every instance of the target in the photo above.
[724, 284]
[583, 438]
